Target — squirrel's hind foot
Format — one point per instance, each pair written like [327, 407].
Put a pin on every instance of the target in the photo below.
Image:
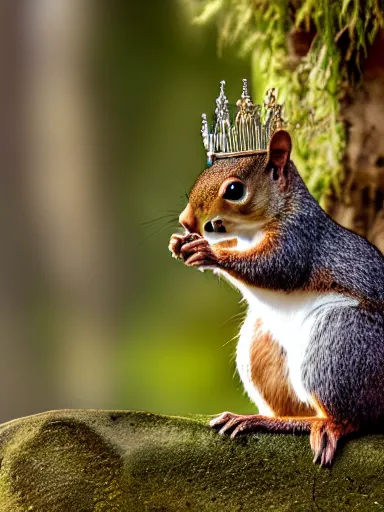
[234, 424]
[325, 434]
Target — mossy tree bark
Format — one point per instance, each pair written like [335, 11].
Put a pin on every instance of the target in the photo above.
[131, 462]
[360, 206]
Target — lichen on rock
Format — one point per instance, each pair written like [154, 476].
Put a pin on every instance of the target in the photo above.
[132, 462]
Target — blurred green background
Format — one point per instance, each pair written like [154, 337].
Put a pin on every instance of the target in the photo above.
[177, 343]
[100, 143]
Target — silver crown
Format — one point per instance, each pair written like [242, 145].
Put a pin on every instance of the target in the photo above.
[250, 129]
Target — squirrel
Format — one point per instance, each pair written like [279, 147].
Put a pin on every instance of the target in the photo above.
[311, 349]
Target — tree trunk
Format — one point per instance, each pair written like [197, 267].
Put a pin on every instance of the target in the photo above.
[360, 205]
[65, 197]
[23, 390]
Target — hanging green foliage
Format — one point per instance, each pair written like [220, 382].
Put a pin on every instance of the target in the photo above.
[312, 51]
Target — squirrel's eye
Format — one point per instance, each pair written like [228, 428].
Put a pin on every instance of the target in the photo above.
[235, 191]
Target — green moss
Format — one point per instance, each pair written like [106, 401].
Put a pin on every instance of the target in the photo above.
[84, 461]
[314, 86]
[53, 456]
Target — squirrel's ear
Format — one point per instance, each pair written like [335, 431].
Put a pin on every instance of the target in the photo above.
[280, 147]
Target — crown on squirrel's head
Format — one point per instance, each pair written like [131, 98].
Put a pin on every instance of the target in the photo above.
[246, 132]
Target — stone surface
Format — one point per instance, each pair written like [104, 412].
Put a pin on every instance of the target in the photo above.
[84, 461]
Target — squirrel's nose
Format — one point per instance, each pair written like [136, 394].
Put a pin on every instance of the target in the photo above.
[188, 220]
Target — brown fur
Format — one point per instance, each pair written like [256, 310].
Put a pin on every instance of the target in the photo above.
[264, 249]
[323, 281]
[206, 202]
[226, 244]
[269, 375]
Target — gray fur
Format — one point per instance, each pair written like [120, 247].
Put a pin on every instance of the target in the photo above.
[344, 365]
[344, 362]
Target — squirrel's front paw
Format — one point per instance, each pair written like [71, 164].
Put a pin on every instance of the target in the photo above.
[198, 253]
[177, 241]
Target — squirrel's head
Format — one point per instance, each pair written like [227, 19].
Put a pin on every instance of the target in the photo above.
[236, 197]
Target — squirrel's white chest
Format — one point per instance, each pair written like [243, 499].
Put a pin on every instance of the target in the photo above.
[290, 318]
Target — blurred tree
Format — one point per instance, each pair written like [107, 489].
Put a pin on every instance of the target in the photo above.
[66, 200]
[327, 59]
[19, 362]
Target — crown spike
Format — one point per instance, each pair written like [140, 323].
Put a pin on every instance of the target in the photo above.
[245, 93]
[222, 112]
[205, 131]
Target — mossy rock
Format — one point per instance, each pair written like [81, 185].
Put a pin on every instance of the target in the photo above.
[80, 461]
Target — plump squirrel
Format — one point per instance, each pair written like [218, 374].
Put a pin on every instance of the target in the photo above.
[311, 350]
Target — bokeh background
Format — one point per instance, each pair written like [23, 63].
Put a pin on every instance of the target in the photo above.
[100, 142]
